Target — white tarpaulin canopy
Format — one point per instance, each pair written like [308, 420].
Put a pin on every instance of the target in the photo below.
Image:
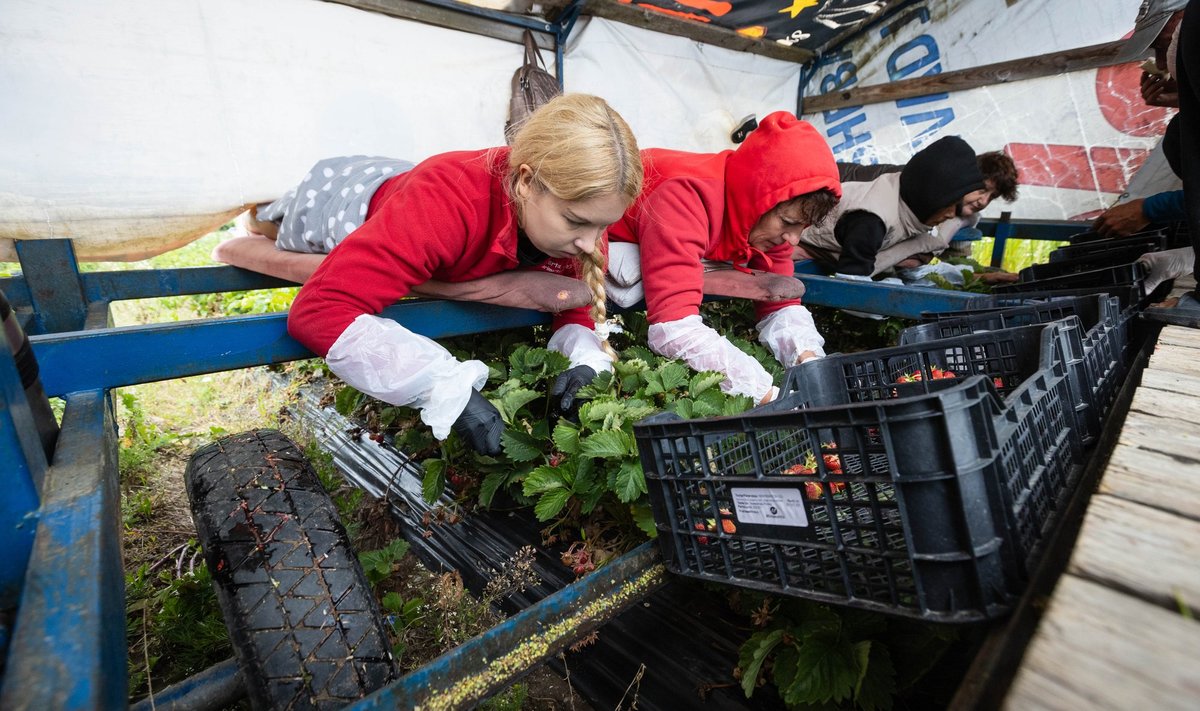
[135, 126]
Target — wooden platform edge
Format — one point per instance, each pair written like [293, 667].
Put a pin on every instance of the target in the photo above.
[998, 659]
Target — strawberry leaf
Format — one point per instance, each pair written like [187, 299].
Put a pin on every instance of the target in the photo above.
[643, 516]
[826, 669]
[491, 483]
[597, 414]
[434, 482]
[551, 503]
[347, 400]
[703, 381]
[752, 655]
[520, 446]
[876, 680]
[631, 482]
[566, 438]
[541, 480]
[512, 401]
[736, 404]
[608, 444]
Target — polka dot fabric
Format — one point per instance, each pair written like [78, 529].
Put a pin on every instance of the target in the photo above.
[330, 203]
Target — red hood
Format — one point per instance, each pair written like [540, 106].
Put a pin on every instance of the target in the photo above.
[783, 158]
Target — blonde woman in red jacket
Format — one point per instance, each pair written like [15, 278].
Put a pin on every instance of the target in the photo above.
[573, 169]
[747, 207]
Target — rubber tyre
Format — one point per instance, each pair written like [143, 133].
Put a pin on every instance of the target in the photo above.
[302, 618]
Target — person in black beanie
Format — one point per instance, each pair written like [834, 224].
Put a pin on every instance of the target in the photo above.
[881, 222]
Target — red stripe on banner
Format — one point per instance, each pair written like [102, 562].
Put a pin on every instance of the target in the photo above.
[1119, 93]
[1100, 168]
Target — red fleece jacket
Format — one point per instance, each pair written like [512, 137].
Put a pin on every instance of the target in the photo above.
[697, 206]
[449, 218]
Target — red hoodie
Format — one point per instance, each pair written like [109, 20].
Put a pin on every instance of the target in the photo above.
[697, 206]
[449, 218]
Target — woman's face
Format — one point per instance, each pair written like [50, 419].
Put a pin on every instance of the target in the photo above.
[563, 228]
[782, 223]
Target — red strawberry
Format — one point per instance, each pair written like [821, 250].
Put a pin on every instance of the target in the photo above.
[912, 377]
[702, 540]
[832, 463]
[727, 524]
[998, 382]
[812, 490]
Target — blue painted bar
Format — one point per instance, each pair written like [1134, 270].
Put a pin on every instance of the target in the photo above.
[466, 675]
[1056, 230]
[217, 687]
[879, 298]
[151, 283]
[1004, 230]
[17, 292]
[68, 649]
[101, 358]
[24, 470]
[54, 289]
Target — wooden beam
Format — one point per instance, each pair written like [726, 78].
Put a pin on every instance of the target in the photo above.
[630, 14]
[1072, 60]
[462, 17]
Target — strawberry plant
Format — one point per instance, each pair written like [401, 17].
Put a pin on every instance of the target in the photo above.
[818, 657]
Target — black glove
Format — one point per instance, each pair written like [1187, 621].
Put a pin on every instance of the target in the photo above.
[480, 425]
[566, 386]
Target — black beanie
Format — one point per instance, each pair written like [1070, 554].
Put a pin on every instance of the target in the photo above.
[938, 176]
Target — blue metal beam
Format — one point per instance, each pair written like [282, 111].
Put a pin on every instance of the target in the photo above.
[103, 358]
[879, 298]
[1057, 230]
[149, 283]
[24, 469]
[55, 292]
[469, 673]
[220, 686]
[68, 650]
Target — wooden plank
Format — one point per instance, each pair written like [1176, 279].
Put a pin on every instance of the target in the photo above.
[1164, 434]
[1175, 361]
[1100, 55]
[1139, 549]
[469, 19]
[1154, 479]
[1171, 382]
[1179, 336]
[1099, 649]
[1164, 404]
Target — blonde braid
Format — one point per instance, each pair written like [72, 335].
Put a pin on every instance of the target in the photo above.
[593, 275]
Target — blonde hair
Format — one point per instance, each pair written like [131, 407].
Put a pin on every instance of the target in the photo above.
[579, 148]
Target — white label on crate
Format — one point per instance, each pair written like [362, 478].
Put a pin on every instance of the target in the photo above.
[778, 507]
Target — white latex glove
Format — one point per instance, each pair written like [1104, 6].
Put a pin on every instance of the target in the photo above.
[387, 361]
[624, 279]
[582, 346]
[689, 340]
[1169, 264]
[952, 273]
[789, 332]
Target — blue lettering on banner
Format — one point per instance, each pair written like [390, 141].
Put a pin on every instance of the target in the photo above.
[920, 53]
[841, 122]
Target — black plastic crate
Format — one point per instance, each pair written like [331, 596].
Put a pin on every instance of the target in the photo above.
[1091, 373]
[1123, 281]
[1059, 265]
[1090, 308]
[1050, 438]
[1092, 237]
[925, 505]
[909, 526]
